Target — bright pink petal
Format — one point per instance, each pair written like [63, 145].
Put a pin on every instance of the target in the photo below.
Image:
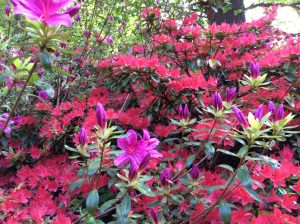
[155, 154]
[59, 19]
[132, 137]
[57, 5]
[26, 12]
[123, 143]
[32, 5]
[152, 143]
[146, 135]
[121, 159]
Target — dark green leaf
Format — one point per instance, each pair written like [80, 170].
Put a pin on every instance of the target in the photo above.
[244, 176]
[190, 160]
[242, 151]
[92, 200]
[225, 166]
[253, 194]
[45, 60]
[76, 184]
[93, 166]
[225, 211]
[106, 205]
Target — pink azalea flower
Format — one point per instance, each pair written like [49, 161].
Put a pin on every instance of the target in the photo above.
[134, 149]
[44, 10]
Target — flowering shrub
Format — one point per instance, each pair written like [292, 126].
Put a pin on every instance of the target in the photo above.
[198, 125]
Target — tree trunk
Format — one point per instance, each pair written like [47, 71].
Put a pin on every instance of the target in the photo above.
[229, 16]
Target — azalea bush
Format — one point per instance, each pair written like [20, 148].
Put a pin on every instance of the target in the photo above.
[193, 124]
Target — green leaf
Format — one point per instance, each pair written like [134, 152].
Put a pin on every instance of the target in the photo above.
[123, 210]
[190, 160]
[93, 166]
[144, 189]
[253, 194]
[225, 166]
[209, 149]
[45, 60]
[76, 184]
[227, 152]
[92, 200]
[106, 205]
[225, 211]
[244, 176]
[155, 78]
[242, 151]
[125, 205]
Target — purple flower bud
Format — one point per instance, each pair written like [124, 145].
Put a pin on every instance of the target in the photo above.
[137, 25]
[186, 112]
[240, 116]
[43, 94]
[165, 177]
[32, 59]
[40, 73]
[154, 216]
[5, 115]
[132, 193]
[17, 119]
[280, 112]
[87, 73]
[259, 112]
[195, 173]
[254, 70]
[72, 11]
[144, 162]
[63, 45]
[217, 101]
[230, 94]
[109, 40]
[9, 82]
[111, 18]
[83, 136]
[77, 18]
[132, 172]
[87, 33]
[101, 115]
[271, 108]
[180, 111]
[57, 53]
[7, 10]
[123, 23]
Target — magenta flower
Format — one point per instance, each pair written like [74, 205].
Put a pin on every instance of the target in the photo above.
[135, 150]
[165, 177]
[259, 112]
[184, 113]
[7, 10]
[101, 115]
[276, 114]
[83, 136]
[43, 10]
[195, 172]
[217, 101]
[240, 116]
[254, 70]
[230, 94]
[44, 95]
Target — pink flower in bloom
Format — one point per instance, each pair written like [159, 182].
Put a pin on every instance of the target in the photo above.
[44, 10]
[134, 149]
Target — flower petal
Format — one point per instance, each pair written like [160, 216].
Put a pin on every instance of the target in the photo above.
[121, 159]
[59, 19]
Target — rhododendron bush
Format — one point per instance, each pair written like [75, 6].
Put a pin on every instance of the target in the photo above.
[194, 124]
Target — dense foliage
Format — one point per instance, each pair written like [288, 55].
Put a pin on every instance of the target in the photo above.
[192, 124]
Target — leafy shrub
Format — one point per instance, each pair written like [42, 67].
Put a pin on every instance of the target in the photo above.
[198, 124]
